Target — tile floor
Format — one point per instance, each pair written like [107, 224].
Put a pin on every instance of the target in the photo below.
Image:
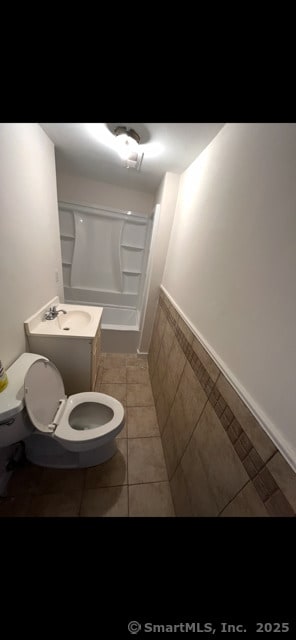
[133, 483]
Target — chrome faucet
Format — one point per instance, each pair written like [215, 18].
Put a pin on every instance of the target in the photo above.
[52, 313]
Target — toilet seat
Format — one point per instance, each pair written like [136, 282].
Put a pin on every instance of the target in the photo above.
[50, 410]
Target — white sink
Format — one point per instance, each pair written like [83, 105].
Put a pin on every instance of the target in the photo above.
[73, 320]
[79, 321]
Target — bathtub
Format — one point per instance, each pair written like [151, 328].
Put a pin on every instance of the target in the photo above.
[120, 331]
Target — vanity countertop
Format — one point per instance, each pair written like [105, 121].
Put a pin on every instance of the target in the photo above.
[79, 321]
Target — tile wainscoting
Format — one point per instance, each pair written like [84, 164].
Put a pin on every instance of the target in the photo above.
[220, 461]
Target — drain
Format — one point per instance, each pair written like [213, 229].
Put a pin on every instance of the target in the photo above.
[66, 329]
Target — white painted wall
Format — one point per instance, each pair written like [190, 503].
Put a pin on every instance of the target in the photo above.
[164, 214]
[231, 265]
[91, 192]
[29, 231]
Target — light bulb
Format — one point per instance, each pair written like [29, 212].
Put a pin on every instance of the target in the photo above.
[126, 145]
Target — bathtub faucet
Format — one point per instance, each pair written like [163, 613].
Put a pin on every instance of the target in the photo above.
[52, 313]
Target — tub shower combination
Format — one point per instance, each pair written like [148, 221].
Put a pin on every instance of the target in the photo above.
[104, 257]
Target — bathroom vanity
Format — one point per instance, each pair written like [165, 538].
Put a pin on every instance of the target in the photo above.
[71, 341]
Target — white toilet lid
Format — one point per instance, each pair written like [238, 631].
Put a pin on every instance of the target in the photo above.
[44, 389]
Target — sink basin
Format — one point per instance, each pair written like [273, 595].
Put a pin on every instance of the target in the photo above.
[74, 320]
[80, 321]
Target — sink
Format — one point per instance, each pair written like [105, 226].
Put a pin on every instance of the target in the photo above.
[80, 321]
[74, 320]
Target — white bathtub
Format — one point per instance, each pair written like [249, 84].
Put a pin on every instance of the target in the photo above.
[119, 318]
[120, 330]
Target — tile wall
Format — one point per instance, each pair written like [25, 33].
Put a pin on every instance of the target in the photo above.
[220, 461]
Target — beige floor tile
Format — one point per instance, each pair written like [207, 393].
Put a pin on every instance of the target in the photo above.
[56, 505]
[134, 360]
[108, 502]
[145, 460]
[137, 375]
[139, 395]
[99, 377]
[123, 432]
[151, 500]
[61, 480]
[110, 473]
[26, 479]
[246, 504]
[15, 506]
[114, 374]
[116, 390]
[116, 360]
[142, 422]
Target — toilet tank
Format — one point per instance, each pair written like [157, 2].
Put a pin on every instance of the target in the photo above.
[14, 423]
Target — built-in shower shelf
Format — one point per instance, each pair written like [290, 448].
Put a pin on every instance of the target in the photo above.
[67, 236]
[66, 264]
[130, 271]
[133, 247]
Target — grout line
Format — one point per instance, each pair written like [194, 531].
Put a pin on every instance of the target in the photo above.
[136, 484]
[230, 501]
[166, 310]
[193, 432]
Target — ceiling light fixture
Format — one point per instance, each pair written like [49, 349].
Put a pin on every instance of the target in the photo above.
[127, 141]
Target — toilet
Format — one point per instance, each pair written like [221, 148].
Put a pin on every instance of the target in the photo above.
[61, 432]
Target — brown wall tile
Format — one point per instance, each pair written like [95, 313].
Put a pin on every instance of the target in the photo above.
[162, 409]
[284, 476]
[180, 495]
[170, 448]
[264, 484]
[167, 340]
[187, 407]
[185, 330]
[234, 431]
[257, 435]
[206, 359]
[201, 497]
[279, 506]
[225, 472]
[245, 504]
[253, 463]
[228, 445]
[175, 366]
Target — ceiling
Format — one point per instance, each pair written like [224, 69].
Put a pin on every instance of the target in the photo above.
[79, 150]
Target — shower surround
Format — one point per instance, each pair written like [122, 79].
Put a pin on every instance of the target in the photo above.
[104, 257]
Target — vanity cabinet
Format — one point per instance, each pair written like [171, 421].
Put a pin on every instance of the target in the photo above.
[76, 358]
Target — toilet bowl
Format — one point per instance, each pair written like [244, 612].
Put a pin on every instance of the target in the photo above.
[77, 431]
